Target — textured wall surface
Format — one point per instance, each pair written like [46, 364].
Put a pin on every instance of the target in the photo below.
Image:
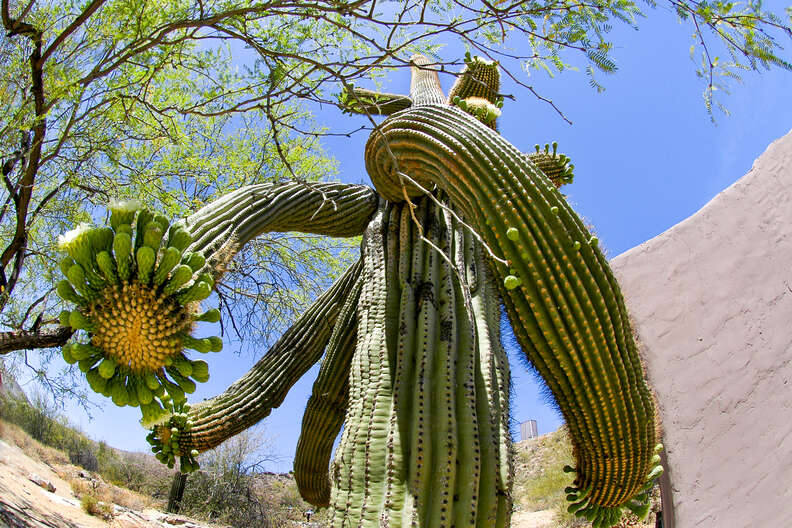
[712, 302]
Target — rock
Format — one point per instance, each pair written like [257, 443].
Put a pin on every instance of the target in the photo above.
[174, 519]
[130, 519]
[41, 481]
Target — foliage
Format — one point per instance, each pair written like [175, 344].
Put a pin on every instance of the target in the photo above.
[40, 419]
[92, 506]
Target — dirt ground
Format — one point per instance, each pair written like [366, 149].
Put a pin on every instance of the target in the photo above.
[25, 504]
[538, 519]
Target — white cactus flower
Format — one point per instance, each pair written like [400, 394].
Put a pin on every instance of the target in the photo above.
[69, 237]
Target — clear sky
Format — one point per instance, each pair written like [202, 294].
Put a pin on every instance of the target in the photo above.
[646, 157]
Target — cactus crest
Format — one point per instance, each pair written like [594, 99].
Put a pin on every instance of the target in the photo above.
[139, 328]
[137, 305]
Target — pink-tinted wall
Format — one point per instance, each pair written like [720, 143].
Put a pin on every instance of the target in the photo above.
[711, 299]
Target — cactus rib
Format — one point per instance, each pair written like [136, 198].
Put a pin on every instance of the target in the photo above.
[326, 408]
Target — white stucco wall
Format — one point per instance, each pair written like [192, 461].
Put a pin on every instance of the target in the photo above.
[712, 302]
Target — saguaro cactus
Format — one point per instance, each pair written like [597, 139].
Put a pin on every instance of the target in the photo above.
[413, 367]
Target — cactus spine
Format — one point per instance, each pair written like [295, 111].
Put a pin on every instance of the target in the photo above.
[413, 451]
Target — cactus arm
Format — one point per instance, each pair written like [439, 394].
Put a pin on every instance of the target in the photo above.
[252, 397]
[554, 165]
[479, 78]
[355, 482]
[564, 303]
[425, 83]
[368, 102]
[332, 209]
[325, 410]
[493, 381]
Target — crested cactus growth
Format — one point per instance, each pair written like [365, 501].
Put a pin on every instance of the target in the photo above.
[413, 366]
[137, 284]
[136, 296]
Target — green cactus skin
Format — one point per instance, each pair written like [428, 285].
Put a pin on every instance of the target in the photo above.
[263, 388]
[326, 408]
[414, 357]
[567, 312]
[424, 427]
[479, 78]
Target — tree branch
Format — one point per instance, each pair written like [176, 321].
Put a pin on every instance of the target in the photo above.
[28, 340]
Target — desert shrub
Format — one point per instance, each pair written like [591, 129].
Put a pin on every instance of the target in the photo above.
[227, 489]
[92, 506]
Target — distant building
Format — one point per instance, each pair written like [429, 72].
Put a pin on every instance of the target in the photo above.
[528, 430]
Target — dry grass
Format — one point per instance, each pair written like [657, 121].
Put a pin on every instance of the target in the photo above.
[95, 487]
[33, 448]
[92, 506]
[103, 491]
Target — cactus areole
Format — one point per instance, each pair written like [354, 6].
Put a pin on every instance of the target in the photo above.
[461, 223]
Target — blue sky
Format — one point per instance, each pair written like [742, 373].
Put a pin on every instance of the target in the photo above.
[646, 157]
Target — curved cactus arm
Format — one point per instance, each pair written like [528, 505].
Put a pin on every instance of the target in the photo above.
[553, 164]
[324, 413]
[228, 223]
[369, 102]
[252, 397]
[563, 301]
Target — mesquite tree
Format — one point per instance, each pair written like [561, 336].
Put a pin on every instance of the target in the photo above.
[460, 223]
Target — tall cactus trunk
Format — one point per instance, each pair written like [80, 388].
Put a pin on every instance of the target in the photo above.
[426, 441]
[564, 303]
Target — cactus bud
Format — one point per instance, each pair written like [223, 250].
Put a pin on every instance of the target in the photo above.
[145, 261]
[209, 316]
[511, 282]
[180, 276]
